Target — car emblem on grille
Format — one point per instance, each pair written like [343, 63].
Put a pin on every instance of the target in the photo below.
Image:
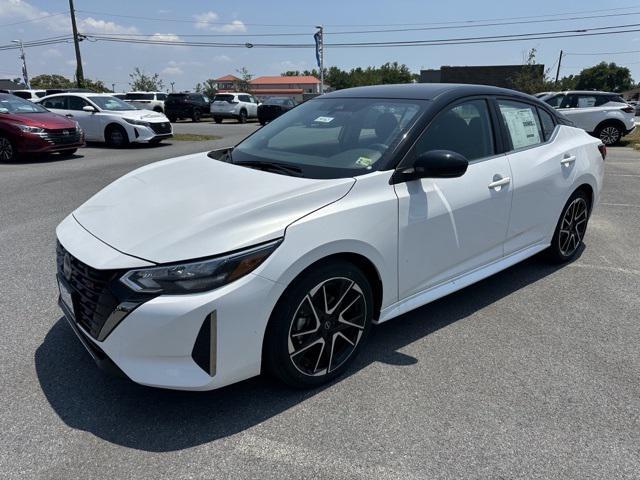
[65, 132]
[66, 266]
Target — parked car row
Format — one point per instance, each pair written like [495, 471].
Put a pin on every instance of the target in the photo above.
[604, 115]
[63, 122]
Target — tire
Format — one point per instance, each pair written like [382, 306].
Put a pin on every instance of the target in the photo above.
[262, 122]
[172, 118]
[67, 153]
[242, 117]
[610, 133]
[571, 228]
[7, 150]
[217, 119]
[195, 117]
[116, 136]
[157, 109]
[305, 350]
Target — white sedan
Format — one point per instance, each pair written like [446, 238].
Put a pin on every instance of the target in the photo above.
[280, 254]
[105, 118]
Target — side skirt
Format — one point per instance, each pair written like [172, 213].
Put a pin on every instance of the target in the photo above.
[458, 283]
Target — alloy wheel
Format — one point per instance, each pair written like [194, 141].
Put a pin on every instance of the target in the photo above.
[610, 135]
[327, 326]
[573, 227]
[6, 150]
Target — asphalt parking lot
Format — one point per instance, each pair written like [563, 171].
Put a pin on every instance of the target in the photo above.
[532, 373]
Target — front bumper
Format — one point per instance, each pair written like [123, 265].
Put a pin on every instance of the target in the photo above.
[34, 143]
[158, 343]
[142, 133]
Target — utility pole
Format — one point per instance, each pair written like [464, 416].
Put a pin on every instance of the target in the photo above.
[25, 75]
[558, 70]
[76, 42]
[318, 36]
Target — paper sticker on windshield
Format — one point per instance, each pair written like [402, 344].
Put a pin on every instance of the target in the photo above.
[364, 162]
[324, 119]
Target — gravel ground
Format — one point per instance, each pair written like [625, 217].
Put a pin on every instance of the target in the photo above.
[532, 373]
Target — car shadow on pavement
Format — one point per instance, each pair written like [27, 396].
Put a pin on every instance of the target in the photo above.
[43, 158]
[122, 412]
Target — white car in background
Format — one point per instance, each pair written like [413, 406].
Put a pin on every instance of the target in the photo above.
[105, 118]
[147, 100]
[240, 106]
[33, 95]
[602, 114]
[355, 207]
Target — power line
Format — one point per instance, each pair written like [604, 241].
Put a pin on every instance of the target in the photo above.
[193, 20]
[603, 53]
[356, 32]
[442, 41]
[33, 19]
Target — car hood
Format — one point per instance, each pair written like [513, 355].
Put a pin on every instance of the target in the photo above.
[42, 120]
[194, 206]
[144, 115]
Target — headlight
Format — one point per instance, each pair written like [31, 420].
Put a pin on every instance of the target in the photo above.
[78, 128]
[30, 129]
[199, 276]
[136, 122]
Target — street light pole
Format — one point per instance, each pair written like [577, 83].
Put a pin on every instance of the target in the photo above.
[25, 75]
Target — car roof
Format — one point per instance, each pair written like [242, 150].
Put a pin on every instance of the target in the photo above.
[143, 91]
[422, 91]
[587, 92]
[79, 94]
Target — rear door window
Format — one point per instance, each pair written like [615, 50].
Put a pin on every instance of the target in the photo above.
[548, 124]
[244, 98]
[522, 123]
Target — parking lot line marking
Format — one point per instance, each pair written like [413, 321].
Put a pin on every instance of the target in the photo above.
[619, 204]
[623, 174]
[630, 271]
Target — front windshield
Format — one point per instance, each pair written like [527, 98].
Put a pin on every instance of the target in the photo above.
[276, 101]
[332, 137]
[12, 104]
[111, 104]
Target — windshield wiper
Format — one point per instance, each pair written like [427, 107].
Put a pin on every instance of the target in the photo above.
[272, 167]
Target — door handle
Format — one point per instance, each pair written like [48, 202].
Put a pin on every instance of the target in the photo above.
[499, 182]
[69, 115]
[568, 160]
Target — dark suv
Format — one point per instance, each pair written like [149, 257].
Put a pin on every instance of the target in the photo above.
[186, 105]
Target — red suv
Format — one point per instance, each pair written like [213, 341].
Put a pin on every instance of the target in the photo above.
[29, 128]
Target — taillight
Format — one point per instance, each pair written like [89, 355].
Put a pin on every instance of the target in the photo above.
[629, 109]
[603, 151]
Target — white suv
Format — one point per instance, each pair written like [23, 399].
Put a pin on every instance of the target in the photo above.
[240, 106]
[603, 115]
[147, 100]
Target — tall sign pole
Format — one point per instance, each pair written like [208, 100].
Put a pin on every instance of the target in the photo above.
[76, 42]
[25, 75]
[318, 37]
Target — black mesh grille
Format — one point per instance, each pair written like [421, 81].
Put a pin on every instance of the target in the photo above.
[59, 137]
[93, 300]
[164, 127]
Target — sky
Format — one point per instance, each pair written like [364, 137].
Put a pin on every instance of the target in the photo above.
[245, 21]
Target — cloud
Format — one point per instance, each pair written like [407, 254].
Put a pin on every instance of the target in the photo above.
[51, 52]
[93, 25]
[19, 10]
[222, 58]
[165, 37]
[209, 21]
[172, 71]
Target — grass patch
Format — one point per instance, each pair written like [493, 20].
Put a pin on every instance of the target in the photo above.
[194, 137]
[632, 140]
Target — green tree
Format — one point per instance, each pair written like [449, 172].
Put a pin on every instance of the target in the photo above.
[51, 81]
[605, 76]
[95, 85]
[140, 81]
[531, 78]
[209, 87]
[244, 85]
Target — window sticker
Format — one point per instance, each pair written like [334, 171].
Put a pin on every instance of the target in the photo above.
[522, 126]
[324, 119]
[586, 102]
[364, 162]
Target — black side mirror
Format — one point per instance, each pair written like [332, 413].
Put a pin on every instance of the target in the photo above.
[433, 164]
